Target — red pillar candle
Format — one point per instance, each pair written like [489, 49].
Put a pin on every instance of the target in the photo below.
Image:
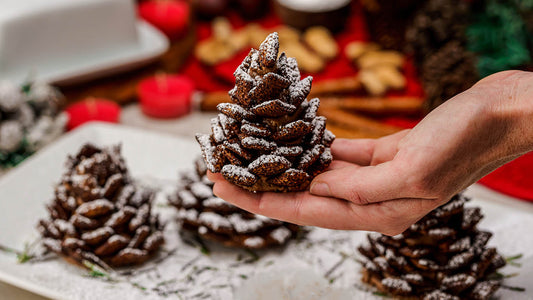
[169, 16]
[92, 109]
[166, 96]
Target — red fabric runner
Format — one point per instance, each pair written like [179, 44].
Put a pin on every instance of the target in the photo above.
[514, 178]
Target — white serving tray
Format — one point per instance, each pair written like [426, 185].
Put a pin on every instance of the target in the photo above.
[294, 272]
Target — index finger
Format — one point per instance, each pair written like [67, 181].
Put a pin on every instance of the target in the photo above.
[357, 151]
[305, 209]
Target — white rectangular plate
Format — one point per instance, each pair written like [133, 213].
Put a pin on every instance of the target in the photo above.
[294, 272]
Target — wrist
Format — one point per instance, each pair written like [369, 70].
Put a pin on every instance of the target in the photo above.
[513, 109]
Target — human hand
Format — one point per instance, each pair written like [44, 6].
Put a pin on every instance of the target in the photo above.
[387, 184]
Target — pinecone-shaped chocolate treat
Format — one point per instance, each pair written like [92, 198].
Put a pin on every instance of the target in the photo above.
[437, 40]
[270, 138]
[99, 215]
[442, 256]
[435, 24]
[29, 119]
[212, 218]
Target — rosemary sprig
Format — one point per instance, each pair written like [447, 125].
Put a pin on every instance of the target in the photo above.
[514, 257]
[25, 255]
[514, 288]
[500, 276]
[22, 256]
[96, 271]
[511, 260]
[7, 249]
[337, 265]
[140, 287]
[165, 282]
[269, 263]
[380, 294]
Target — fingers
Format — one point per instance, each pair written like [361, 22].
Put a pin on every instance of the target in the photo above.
[214, 176]
[391, 217]
[387, 147]
[299, 208]
[365, 152]
[357, 151]
[339, 164]
[363, 185]
[395, 216]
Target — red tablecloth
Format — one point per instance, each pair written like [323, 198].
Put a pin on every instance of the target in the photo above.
[514, 179]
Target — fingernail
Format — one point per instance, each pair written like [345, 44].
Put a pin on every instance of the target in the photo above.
[320, 189]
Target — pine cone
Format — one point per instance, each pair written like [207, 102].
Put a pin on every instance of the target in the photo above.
[442, 256]
[437, 40]
[448, 72]
[270, 138]
[215, 219]
[99, 215]
[28, 119]
[434, 25]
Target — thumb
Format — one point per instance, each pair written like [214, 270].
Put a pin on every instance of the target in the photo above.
[362, 185]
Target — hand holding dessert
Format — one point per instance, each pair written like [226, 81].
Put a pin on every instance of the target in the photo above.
[387, 184]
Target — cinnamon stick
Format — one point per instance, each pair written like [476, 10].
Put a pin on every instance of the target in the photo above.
[349, 133]
[352, 121]
[336, 86]
[376, 106]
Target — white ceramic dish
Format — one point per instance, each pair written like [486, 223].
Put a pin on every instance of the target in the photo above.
[151, 44]
[294, 272]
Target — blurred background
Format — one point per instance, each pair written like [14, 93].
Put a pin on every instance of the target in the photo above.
[378, 66]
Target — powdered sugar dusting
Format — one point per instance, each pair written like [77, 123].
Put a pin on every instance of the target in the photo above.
[188, 214]
[258, 143]
[214, 220]
[103, 231]
[227, 123]
[413, 277]
[397, 284]
[268, 159]
[202, 230]
[317, 134]
[254, 242]
[312, 108]
[280, 234]
[250, 129]
[310, 156]
[237, 171]
[215, 202]
[208, 151]
[201, 190]
[288, 151]
[242, 225]
[187, 199]
[218, 132]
